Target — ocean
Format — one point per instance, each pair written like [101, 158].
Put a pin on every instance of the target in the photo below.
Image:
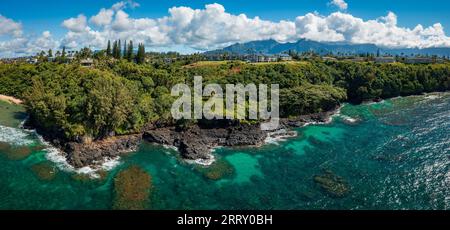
[393, 154]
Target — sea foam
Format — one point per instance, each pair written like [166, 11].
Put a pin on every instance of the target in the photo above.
[279, 135]
[15, 136]
[55, 155]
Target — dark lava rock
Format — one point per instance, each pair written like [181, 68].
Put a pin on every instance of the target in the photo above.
[196, 141]
[84, 154]
[194, 150]
[332, 184]
[246, 135]
[378, 99]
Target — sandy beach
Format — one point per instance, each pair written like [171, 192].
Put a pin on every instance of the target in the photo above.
[10, 99]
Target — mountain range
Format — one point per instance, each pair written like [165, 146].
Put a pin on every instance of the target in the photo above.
[322, 48]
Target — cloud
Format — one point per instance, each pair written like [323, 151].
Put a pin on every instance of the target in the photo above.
[21, 46]
[77, 24]
[341, 4]
[213, 27]
[314, 27]
[104, 17]
[44, 42]
[10, 27]
[124, 4]
[383, 31]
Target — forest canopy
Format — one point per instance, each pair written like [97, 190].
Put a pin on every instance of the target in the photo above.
[120, 96]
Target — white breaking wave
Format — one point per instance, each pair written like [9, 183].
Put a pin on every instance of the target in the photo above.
[279, 135]
[204, 162]
[433, 96]
[110, 163]
[56, 156]
[22, 123]
[15, 136]
[348, 119]
[171, 147]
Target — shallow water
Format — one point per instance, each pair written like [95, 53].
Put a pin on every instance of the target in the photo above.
[393, 155]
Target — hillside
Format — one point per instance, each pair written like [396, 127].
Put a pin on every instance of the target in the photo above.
[322, 48]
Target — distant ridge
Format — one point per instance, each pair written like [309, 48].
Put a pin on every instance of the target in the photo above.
[322, 48]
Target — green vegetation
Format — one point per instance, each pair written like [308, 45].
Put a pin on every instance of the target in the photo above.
[123, 92]
[76, 102]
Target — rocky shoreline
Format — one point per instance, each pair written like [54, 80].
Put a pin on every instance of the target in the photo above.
[195, 142]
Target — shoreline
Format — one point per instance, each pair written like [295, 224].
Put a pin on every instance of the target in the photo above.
[195, 144]
[10, 99]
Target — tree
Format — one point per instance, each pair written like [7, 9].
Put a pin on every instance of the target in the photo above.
[119, 50]
[108, 49]
[42, 57]
[130, 51]
[50, 53]
[63, 54]
[85, 53]
[125, 50]
[115, 50]
[140, 56]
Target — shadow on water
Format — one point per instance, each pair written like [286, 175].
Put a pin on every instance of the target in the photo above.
[19, 115]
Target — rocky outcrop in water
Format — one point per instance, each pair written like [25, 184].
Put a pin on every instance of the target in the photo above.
[196, 141]
[84, 154]
[332, 184]
[302, 120]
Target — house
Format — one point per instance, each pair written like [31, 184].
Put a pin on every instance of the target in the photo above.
[385, 59]
[88, 62]
[329, 59]
[356, 59]
[260, 58]
[271, 58]
[285, 57]
[418, 60]
[32, 60]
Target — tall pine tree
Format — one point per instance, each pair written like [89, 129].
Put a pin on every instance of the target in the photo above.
[125, 49]
[63, 55]
[140, 56]
[108, 49]
[119, 50]
[130, 51]
[115, 51]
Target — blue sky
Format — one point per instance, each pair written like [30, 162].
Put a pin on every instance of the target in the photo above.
[48, 14]
[35, 17]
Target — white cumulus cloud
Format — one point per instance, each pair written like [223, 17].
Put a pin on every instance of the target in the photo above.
[213, 27]
[383, 31]
[10, 27]
[341, 4]
[104, 17]
[77, 24]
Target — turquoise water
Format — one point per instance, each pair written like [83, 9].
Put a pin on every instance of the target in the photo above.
[393, 155]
